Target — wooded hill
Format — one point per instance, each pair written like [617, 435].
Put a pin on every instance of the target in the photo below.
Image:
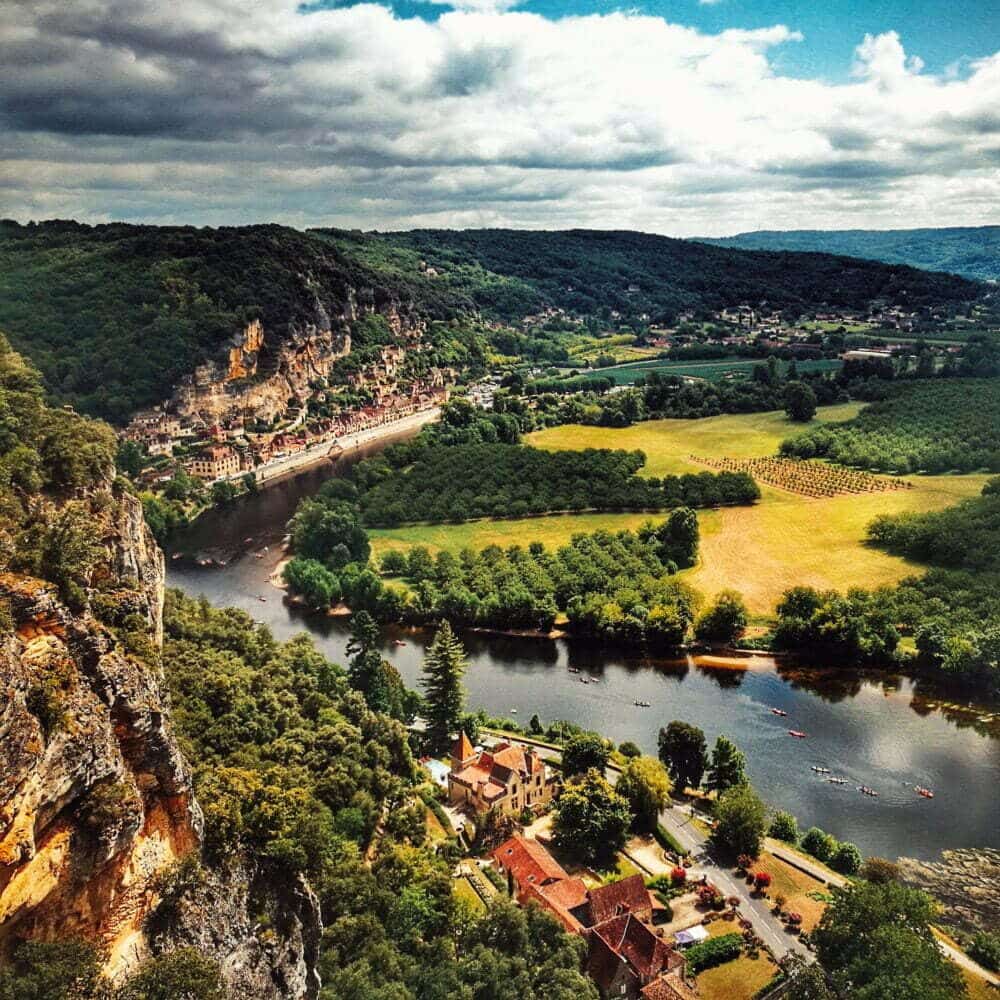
[972, 251]
[113, 315]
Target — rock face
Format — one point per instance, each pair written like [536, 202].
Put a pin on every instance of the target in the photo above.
[97, 806]
[95, 798]
[966, 882]
[221, 913]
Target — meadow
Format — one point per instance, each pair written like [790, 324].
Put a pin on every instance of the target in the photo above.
[784, 540]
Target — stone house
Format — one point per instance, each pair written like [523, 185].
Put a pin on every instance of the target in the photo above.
[507, 778]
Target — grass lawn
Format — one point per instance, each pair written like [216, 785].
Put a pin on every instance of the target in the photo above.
[464, 890]
[978, 988]
[761, 551]
[736, 980]
[795, 886]
[668, 443]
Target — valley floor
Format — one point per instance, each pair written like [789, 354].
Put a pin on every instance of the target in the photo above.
[784, 540]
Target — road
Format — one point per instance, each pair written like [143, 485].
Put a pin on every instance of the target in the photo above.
[678, 823]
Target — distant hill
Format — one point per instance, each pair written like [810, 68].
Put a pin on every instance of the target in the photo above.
[113, 315]
[972, 252]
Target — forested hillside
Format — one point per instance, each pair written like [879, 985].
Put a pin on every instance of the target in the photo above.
[588, 271]
[114, 315]
[973, 252]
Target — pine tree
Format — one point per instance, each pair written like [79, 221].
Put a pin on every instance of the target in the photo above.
[444, 666]
[728, 766]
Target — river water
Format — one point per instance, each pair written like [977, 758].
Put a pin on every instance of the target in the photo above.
[872, 729]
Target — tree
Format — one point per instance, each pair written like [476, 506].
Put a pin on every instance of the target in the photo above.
[879, 870]
[629, 749]
[875, 941]
[724, 620]
[130, 458]
[819, 844]
[678, 537]
[741, 821]
[800, 402]
[984, 948]
[684, 752]
[184, 974]
[846, 859]
[646, 785]
[784, 826]
[728, 766]
[371, 674]
[444, 667]
[317, 585]
[223, 492]
[329, 531]
[808, 980]
[58, 970]
[584, 751]
[591, 819]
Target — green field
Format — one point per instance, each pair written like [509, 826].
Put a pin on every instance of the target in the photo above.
[784, 540]
[710, 371]
[669, 443]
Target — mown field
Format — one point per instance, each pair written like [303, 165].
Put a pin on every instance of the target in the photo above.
[711, 371]
[784, 540]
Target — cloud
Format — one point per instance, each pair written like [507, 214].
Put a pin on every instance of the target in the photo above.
[216, 111]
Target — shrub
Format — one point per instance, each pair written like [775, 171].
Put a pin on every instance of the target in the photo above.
[819, 844]
[846, 859]
[744, 862]
[879, 871]
[712, 952]
[679, 875]
[985, 949]
[762, 880]
[629, 749]
[784, 827]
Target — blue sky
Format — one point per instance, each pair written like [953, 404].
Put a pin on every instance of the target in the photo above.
[672, 116]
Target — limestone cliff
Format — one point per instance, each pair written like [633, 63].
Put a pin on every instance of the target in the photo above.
[97, 806]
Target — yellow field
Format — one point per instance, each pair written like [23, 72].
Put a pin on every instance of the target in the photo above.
[761, 551]
[668, 443]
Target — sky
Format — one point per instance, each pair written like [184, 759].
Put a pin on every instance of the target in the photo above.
[683, 117]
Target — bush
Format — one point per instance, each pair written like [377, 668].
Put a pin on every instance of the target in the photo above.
[879, 870]
[678, 876]
[819, 844]
[985, 949]
[629, 749]
[784, 827]
[712, 952]
[667, 840]
[762, 880]
[846, 859]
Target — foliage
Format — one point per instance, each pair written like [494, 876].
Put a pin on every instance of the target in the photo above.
[784, 827]
[684, 751]
[984, 948]
[584, 751]
[819, 844]
[329, 530]
[444, 666]
[931, 426]
[724, 619]
[60, 970]
[312, 580]
[465, 481]
[875, 941]
[591, 820]
[183, 973]
[879, 870]
[741, 821]
[846, 859]
[851, 627]
[374, 676]
[800, 402]
[727, 768]
[712, 952]
[646, 785]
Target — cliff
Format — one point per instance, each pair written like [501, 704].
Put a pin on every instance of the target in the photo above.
[95, 797]
[97, 807]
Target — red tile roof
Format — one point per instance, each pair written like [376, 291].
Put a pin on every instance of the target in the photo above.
[528, 862]
[646, 953]
[629, 895]
[669, 987]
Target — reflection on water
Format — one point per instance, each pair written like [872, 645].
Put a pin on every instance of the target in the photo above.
[873, 729]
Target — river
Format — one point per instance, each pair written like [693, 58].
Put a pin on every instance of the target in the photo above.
[872, 729]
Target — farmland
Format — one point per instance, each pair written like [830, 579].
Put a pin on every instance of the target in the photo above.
[712, 371]
[784, 540]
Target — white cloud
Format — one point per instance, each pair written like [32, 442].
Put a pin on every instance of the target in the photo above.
[218, 111]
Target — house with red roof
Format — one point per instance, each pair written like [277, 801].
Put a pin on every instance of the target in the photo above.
[627, 954]
[507, 778]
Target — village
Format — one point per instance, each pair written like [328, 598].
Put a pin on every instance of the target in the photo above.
[223, 424]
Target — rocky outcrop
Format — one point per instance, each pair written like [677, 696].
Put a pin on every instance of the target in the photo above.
[262, 929]
[966, 882]
[95, 798]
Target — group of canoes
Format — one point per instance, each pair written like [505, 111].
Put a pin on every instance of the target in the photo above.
[825, 771]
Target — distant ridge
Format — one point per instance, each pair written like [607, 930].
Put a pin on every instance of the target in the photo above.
[971, 251]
